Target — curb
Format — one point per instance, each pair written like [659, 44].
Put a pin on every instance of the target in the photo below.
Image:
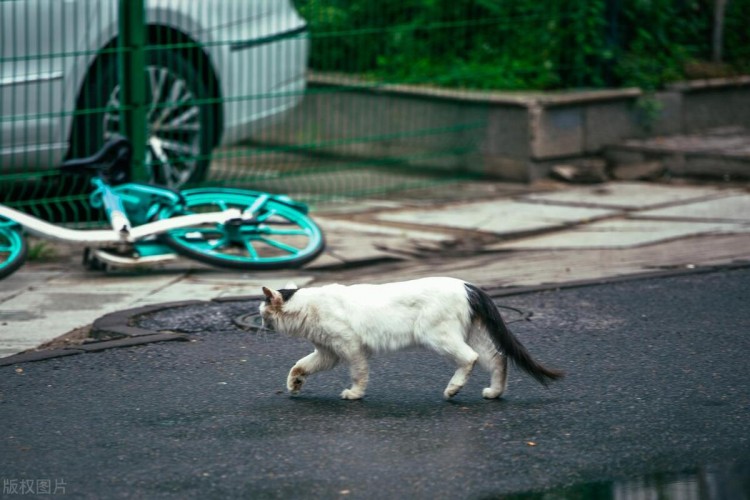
[28, 357]
[500, 291]
[114, 330]
[119, 324]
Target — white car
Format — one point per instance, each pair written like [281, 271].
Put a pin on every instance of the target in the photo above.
[232, 64]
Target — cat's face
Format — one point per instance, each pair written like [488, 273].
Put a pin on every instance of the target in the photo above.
[271, 308]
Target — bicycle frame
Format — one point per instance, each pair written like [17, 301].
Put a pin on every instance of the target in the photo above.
[122, 230]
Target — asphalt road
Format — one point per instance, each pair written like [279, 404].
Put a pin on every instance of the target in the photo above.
[657, 382]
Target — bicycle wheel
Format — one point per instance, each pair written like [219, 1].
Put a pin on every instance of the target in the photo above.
[278, 235]
[13, 249]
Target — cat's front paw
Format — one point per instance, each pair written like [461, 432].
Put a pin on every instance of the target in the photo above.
[351, 394]
[295, 380]
[451, 391]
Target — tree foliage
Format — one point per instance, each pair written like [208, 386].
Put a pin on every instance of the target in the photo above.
[521, 44]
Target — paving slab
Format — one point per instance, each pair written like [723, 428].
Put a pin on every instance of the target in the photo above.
[622, 233]
[207, 287]
[350, 242]
[545, 266]
[499, 216]
[353, 206]
[349, 228]
[624, 195]
[729, 208]
[24, 280]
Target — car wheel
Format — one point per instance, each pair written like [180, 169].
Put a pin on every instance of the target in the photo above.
[180, 124]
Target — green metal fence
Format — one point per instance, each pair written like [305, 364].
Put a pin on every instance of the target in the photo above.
[314, 98]
[225, 99]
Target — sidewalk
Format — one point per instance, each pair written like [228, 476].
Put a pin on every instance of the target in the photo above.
[493, 234]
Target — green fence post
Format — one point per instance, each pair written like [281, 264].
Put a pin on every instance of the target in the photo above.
[132, 45]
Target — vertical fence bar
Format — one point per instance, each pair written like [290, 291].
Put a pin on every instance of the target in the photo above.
[132, 56]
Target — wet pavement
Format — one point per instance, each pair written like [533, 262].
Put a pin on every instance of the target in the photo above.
[656, 387]
[730, 480]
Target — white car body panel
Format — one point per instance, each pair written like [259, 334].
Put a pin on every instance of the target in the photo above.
[257, 49]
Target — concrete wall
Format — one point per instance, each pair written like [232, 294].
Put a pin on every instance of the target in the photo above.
[515, 136]
[711, 106]
[384, 127]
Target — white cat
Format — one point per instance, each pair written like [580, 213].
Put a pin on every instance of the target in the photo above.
[351, 323]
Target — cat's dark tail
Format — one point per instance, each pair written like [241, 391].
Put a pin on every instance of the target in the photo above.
[484, 309]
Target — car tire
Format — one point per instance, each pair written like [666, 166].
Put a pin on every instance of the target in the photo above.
[179, 138]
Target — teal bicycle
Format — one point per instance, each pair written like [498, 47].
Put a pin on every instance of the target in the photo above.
[228, 228]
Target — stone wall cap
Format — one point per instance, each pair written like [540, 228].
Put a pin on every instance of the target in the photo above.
[513, 98]
[710, 83]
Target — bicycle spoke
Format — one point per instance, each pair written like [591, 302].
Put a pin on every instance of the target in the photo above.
[263, 217]
[251, 249]
[218, 243]
[279, 245]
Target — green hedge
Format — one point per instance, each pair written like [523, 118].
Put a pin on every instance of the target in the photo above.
[521, 44]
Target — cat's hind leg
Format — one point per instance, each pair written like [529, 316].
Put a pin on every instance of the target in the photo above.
[319, 360]
[497, 365]
[465, 357]
[495, 362]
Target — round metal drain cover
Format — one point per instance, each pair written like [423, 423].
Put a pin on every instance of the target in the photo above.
[249, 321]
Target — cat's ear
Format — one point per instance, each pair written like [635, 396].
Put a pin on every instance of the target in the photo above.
[273, 296]
[291, 286]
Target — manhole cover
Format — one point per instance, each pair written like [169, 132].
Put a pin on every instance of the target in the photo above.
[202, 318]
[249, 321]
